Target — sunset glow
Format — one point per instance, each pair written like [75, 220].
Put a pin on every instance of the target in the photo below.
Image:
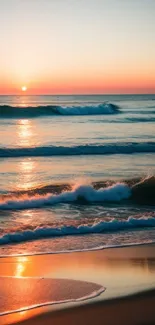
[24, 88]
[72, 47]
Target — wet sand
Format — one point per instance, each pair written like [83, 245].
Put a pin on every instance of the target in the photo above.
[128, 274]
[40, 291]
[138, 309]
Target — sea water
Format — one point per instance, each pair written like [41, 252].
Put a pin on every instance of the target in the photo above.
[67, 166]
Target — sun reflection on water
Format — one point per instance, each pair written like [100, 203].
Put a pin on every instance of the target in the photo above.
[25, 133]
[27, 166]
[26, 176]
[27, 217]
[26, 138]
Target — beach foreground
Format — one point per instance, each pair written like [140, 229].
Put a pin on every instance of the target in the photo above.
[127, 274]
[138, 309]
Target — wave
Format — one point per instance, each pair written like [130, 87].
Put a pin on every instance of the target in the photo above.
[99, 227]
[7, 111]
[149, 110]
[142, 191]
[90, 149]
[57, 188]
[137, 120]
[82, 193]
[123, 119]
[137, 190]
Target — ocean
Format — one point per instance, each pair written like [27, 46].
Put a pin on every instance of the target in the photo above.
[69, 166]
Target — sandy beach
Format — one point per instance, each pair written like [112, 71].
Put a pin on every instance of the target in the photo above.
[77, 162]
[138, 309]
[123, 280]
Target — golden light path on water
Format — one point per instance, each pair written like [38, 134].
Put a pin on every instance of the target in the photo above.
[25, 133]
[27, 166]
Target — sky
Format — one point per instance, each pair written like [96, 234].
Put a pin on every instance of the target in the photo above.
[77, 46]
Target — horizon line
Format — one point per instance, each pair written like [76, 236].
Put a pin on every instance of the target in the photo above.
[94, 94]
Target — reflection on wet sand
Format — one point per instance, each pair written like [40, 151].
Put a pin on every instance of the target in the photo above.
[17, 317]
[20, 266]
[121, 270]
[139, 259]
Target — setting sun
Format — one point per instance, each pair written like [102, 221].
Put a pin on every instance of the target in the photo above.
[24, 88]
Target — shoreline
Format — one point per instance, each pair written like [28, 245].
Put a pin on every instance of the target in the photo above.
[133, 309]
[127, 274]
[77, 251]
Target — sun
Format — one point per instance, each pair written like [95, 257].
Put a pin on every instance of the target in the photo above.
[24, 88]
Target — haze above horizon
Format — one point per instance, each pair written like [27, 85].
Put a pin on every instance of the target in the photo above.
[77, 47]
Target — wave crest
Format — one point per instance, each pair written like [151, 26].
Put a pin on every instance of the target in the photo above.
[87, 193]
[139, 190]
[88, 149]
[32, 111]
[99, 227]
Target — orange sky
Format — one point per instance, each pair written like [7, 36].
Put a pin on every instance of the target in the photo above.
[77, 47]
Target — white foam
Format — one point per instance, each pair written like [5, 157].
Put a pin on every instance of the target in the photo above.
[98, 227]
[105, 108]
[114, 193]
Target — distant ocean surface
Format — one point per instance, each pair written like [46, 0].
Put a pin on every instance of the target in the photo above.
[68, 166]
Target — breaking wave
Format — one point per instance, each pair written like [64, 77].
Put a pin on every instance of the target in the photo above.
[90, 149]
[84, 193]
[141, 191]
[135, 190]
[99, 227]
[32, 111]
